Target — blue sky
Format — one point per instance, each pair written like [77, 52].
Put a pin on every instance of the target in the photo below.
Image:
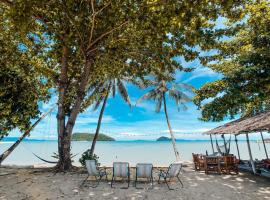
[140, 122]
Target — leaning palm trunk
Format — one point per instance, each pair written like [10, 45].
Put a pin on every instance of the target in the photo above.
[170, 130]
[98, 125]
[26, 133]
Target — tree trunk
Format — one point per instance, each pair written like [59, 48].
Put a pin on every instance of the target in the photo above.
[99, 123]
[170, 130]
[10, 149]
[65, 131]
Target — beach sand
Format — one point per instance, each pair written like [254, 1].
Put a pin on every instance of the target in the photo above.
[32, 183]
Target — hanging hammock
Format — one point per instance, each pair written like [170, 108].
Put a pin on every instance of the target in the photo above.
[223, 150]
[51, 162]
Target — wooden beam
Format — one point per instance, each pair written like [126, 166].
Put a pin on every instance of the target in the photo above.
[212, 143]
[250, 155]
[236, 142]
[264, 145]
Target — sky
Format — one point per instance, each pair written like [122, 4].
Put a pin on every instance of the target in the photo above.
[141, 122]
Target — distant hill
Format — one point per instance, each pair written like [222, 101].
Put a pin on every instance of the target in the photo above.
[163, 138]
[90, 137]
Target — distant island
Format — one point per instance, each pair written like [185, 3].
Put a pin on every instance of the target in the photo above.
[90, 137]
[163, 138]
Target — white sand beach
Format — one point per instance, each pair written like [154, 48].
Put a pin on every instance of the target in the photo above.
[37, 183]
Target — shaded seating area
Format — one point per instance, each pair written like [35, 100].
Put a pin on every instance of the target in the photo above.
[121, 172]
[212, 164]
[198, 160]
[229, 164]
[246, 126]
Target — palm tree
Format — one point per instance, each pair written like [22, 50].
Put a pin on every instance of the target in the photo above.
[177, 91]
[102, 90]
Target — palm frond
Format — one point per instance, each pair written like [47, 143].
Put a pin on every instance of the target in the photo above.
[159, 101]
[99, 100]
[149, 95]
[123, 92]
[185, 86]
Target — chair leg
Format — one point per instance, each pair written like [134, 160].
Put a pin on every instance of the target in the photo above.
[112, 182]
[135, 183]
[167, 184]
[152, 181]
[159, 179]
[84, 181]
[128, 181]
[180, 181]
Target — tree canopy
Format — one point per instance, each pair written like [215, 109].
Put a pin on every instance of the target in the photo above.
[82, 41]
[22, 86]
[243, 61]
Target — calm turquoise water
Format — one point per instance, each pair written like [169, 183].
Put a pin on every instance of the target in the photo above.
[158, 153]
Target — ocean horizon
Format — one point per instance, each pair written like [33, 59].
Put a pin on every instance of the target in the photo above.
[160, 153]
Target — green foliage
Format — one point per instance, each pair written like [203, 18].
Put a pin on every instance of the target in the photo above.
[244, 63]
[22, 85]
[87, 156]
[90, 137]
[124, 37]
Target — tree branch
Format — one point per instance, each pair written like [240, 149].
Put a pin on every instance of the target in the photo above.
[106, 33]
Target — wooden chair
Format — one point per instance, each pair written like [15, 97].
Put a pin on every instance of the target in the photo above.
[212, 163]
[229, 164]
[198, 161]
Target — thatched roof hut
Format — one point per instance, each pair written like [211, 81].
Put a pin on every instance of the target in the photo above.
[260, 122]
[245, 125]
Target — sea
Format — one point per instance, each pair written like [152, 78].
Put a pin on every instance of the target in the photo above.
[160, 153]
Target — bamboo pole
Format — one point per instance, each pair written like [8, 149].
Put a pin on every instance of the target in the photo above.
[212, 143]
[264, 145]
[236, 142]
[250, 155]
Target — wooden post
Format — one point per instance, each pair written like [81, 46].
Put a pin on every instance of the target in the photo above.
[250, 155]
[212, 143]
[236, 142]
[264, 145]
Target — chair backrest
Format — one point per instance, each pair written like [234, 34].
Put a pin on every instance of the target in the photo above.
[91, 167]
[212, 159]
[229, 160]
[144, 170]
[195, 157]
[121, 169]
[174, 169]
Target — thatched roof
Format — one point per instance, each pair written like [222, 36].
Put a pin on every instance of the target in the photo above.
[260, 122]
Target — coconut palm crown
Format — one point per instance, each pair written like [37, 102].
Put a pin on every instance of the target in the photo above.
[161, 88]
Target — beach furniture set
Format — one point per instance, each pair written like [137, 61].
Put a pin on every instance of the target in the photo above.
[217, 164]
[122, 170]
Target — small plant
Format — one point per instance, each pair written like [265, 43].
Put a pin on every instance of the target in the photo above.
[87, 156]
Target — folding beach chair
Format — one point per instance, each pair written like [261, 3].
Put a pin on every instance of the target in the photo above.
[92, 170]
[173, 172]
[121, 170]
[144, 170]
